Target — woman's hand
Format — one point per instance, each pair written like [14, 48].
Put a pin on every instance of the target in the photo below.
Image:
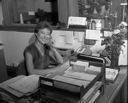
[50, 43]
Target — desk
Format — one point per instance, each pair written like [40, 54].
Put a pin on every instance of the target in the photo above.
[112, 90]
[116, 89]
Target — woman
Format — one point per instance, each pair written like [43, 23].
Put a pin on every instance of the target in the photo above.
[41, 54]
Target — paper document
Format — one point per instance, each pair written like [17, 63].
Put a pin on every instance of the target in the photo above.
[26, 85]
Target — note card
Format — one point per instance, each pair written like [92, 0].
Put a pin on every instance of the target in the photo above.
[93, 34]
[77, 21]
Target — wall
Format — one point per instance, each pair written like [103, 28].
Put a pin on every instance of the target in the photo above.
[1, 15]
[67, 8]
[63, 10]
[73, 8]
[33, 5]
[14, 44]
[1, 18]
[46, 6]
[116, 7]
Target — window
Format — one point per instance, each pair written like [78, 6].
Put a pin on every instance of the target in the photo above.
[29, 11]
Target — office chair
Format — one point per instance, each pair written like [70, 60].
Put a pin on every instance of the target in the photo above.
[22, 69]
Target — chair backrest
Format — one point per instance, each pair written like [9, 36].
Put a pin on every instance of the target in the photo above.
[22, 69]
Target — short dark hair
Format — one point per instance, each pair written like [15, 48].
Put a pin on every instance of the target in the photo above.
[42, 25]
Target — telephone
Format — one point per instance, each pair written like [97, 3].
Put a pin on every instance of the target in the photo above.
[46, 46]
[80, 50]
[84, 50]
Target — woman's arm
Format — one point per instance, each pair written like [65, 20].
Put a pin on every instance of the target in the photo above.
[32, 70]
[56, 55]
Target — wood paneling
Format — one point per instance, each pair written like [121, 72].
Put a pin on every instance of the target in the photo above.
[63, 10]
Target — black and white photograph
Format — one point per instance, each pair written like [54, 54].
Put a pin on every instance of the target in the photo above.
[63, 51]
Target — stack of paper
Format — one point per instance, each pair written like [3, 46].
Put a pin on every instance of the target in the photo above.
[27, 84]
[71, 81]
[79, 75]
[69, 84]
[5, 86]
[79, 65]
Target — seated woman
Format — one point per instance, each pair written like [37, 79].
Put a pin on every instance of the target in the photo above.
[41, 54]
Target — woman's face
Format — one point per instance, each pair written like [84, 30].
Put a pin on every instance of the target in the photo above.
[44, 36]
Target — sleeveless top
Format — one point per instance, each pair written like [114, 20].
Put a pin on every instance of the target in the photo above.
[39, 61]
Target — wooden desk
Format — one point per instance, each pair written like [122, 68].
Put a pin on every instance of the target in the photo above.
[116, 92]
[112, 90]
